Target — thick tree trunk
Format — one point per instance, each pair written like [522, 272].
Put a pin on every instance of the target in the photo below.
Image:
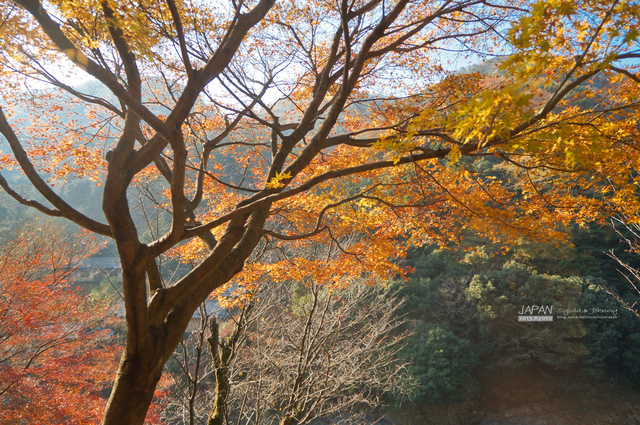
[132, 391]
[154, 330]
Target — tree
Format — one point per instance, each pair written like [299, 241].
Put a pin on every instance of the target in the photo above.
[56, 355]
[342, 119]
[442, 365]
[465, 304]
[630, 234]
[501, 293]
[295, 354]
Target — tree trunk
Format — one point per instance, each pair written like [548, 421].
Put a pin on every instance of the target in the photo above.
[217, 414]
[221, 354]
[153, 334]
[288, 420]
[132, 391]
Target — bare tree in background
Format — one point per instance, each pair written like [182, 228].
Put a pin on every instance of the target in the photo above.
[631, 236]
[293, 356]
[326, 353]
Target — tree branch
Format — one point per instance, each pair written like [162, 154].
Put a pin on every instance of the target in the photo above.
[42, 187]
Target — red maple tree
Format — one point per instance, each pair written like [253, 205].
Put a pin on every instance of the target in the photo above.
[57, 354]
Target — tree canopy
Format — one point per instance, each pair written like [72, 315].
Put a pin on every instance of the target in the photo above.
[56, 355]
[268, 125]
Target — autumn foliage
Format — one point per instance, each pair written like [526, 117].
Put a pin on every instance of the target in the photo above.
[57, 353]
[257, 130]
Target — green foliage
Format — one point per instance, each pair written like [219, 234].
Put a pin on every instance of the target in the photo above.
[584, 255]
[500, 294]
[468, 300]
[107, 291]
[614, 345]
[443, 365]
[444, 352]
[301, 299]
